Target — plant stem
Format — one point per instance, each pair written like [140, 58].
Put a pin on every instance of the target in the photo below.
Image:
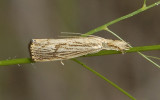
[153, 57]
[16, 61]
[104, 78]
[100, 28]
[103, 52]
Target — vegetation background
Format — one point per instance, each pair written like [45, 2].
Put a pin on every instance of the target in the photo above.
[23, 20]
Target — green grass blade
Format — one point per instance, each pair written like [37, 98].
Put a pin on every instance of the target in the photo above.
[103, 27]
[15, 61]
[103, 52]
[104, 78]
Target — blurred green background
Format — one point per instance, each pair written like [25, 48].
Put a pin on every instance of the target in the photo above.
[23, 20]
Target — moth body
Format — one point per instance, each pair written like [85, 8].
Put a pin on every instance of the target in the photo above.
[67, 48]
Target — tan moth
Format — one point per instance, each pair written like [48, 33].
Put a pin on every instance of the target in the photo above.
[67, 48]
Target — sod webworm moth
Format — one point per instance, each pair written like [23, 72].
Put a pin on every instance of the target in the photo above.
[67, 48]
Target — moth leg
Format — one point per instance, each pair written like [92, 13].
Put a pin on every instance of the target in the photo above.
[62, 63]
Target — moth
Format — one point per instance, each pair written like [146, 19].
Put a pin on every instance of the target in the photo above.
[67, 48]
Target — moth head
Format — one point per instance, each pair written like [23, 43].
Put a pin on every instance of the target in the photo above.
[115, 45]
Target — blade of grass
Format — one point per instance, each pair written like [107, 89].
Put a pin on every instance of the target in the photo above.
[15, 61]
[103, 27]
[103, 52]
[148, 59]
[153, 57]
[104, 78]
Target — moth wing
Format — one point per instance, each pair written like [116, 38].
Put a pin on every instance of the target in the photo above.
[60, 49]
[53, 56]
[70, 55]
